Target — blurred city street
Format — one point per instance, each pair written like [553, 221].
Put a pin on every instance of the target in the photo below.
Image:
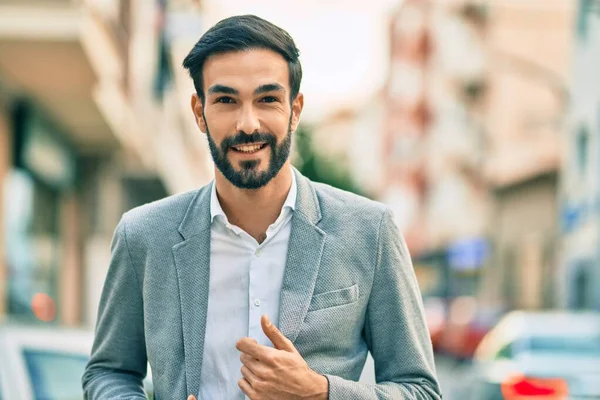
[476, 122]
[455, 378]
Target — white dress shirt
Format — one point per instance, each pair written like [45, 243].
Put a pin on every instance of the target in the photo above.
[245, 283]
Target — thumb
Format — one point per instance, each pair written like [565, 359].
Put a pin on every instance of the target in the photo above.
[275, 336]
[191, 397]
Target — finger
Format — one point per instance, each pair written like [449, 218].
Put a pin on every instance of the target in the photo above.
[275, 336]
[249, 375]
[249, 361]
[247, 388]
[258, 368]
[251, 347]
[191, 397]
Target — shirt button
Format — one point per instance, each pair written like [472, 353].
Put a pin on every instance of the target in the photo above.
[257, 303]
[257, 253]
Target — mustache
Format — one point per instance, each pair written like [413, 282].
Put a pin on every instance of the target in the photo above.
[243, 138]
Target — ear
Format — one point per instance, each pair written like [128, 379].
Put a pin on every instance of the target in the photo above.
[297, 106]
[197, 109]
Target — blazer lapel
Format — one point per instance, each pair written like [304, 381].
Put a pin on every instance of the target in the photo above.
[192, 260]
[303, 259]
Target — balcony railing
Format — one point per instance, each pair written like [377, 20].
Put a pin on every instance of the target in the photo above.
[115, 17]
[41, 3]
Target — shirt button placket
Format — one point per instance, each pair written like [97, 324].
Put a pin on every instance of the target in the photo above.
[254, 310]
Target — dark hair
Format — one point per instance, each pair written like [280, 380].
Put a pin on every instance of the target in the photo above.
[239, 33]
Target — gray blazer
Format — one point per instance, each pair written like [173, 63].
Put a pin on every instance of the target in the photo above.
[348, 288]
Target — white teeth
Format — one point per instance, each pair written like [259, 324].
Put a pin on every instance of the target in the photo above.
[248, 148]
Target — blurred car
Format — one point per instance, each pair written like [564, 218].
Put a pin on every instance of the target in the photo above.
[44, 362]
[435, 316]
[465, 327]
[540, 355]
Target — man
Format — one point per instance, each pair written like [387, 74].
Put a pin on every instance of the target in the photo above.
[261, 284]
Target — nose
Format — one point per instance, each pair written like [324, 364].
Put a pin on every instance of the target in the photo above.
[247, 121]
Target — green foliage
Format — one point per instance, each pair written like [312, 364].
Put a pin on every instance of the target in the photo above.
[318, 167]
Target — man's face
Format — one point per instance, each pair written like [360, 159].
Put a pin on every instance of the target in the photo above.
[247, 115]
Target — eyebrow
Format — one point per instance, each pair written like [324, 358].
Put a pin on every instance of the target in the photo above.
[222, 89]
[269, 87]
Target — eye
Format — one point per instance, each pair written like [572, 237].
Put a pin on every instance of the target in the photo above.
[269, 99]
[224, 100]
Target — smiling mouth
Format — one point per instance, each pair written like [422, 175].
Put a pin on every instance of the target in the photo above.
[249, 148]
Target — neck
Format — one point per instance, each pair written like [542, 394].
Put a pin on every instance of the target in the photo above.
[254, 210]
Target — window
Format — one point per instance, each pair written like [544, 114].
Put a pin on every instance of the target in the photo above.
[164, 71]
[585, 6]
[511, 284]
[580, 345]
[139, 191]
[505, 352]
[33, 246]
[55, 375]
[582, 287]
[583, 139]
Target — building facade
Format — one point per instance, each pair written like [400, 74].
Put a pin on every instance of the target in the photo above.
[433, 129]
[475, 111]
[406, 117]
[91, 125]
[579, 212]
[529, 50]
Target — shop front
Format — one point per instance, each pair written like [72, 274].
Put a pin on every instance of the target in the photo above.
[38, 185]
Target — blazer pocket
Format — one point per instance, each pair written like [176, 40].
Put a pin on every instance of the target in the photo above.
[334, 298]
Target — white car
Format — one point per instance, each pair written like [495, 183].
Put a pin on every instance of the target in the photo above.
[540, 355]
[44, 362]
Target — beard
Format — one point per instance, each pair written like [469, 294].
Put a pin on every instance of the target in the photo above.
[248, 176]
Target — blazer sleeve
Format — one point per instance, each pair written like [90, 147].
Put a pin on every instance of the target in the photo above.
[395, 330]
[118, 361]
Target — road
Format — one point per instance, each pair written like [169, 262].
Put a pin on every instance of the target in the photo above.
[454, 377]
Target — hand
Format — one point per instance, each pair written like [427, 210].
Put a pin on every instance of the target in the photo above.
[278, 373]
[191, 397]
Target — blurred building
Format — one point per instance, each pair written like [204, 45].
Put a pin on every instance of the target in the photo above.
[433, 132]
[473, 122]
[351, 141]
[580, 178]
[406, 116]
[366, 146]
[529, 50]
[457, 201]
[91, 125]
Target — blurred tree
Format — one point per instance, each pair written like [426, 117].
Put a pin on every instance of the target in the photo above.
[321, 168]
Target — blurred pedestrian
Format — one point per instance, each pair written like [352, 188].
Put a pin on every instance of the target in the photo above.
[261, 284]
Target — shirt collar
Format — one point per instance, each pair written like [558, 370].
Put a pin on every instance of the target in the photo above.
[217, 210]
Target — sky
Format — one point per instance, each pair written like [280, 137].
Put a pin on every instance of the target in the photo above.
[343, 46]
